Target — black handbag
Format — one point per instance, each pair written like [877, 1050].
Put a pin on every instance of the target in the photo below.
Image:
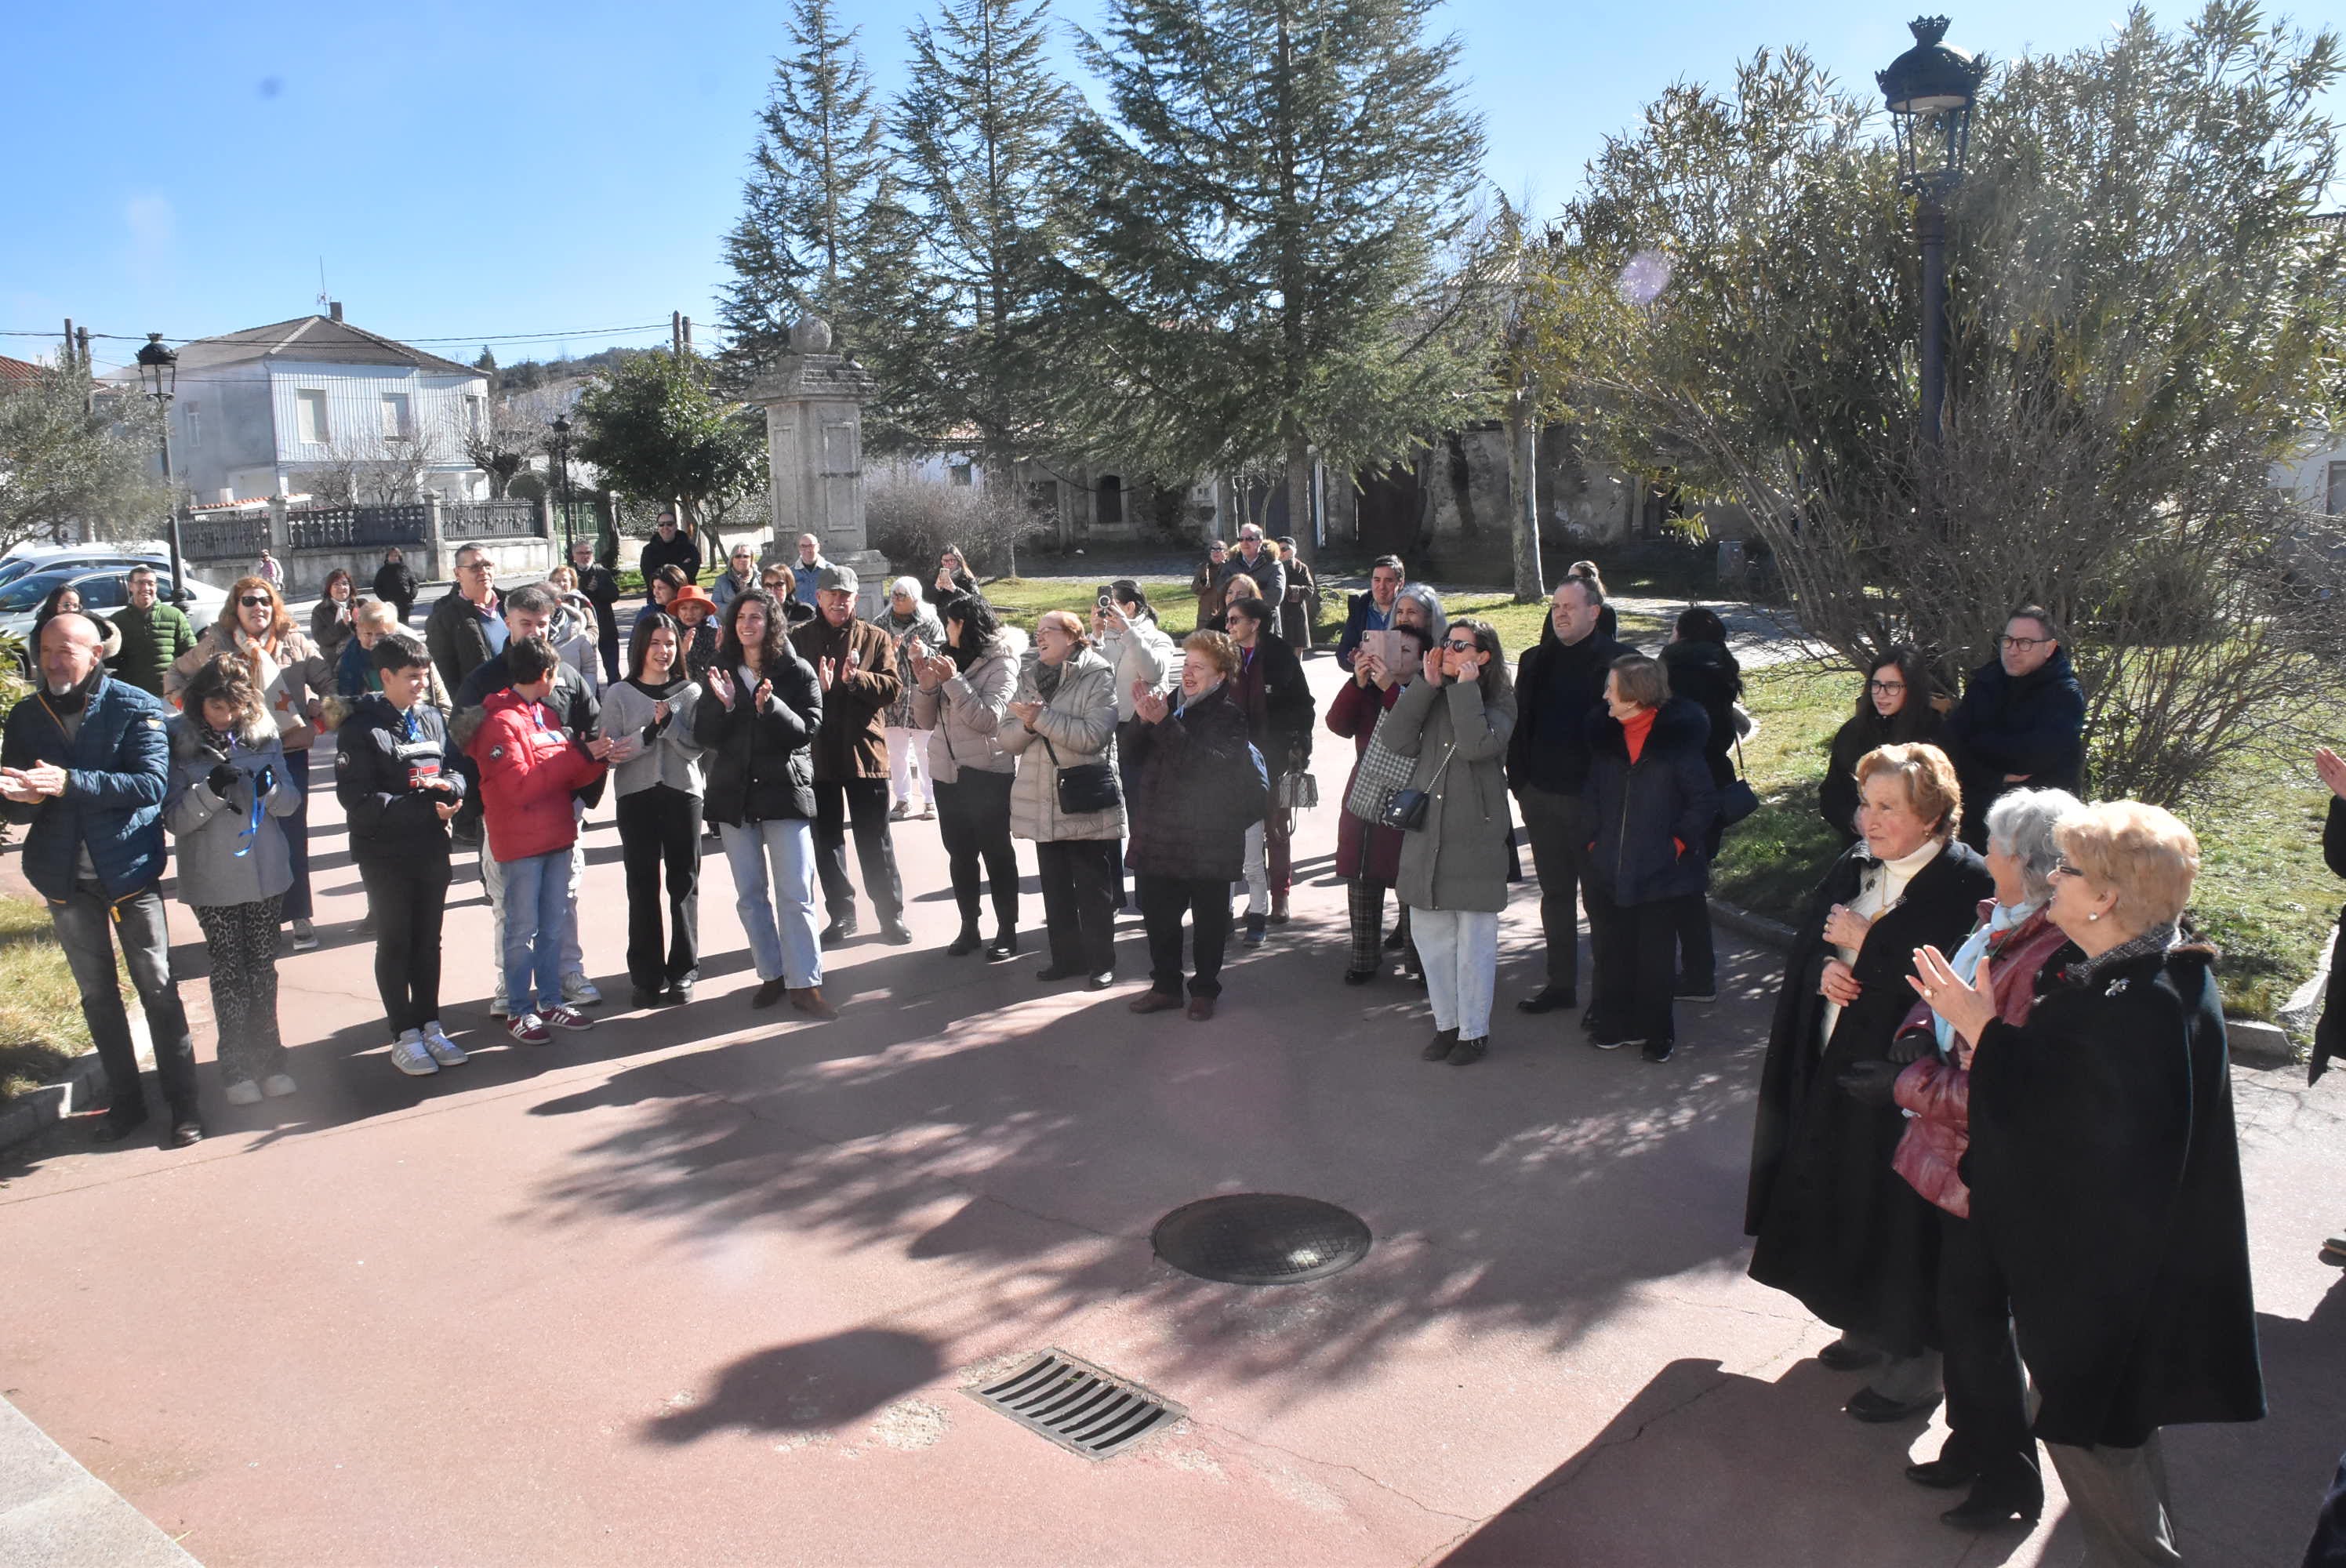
[1407, 809]
[1088, 787]
[1737, 798]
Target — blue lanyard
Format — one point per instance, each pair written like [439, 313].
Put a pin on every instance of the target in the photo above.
[251, 834]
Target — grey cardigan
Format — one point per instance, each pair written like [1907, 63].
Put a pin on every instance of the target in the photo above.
[1458, 861]
[211, 830]
[675, 759]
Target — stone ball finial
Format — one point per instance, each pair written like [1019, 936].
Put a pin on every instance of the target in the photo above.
[810, 335]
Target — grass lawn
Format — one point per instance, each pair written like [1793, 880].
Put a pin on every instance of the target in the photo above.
[2263, 896]
[41, 1025]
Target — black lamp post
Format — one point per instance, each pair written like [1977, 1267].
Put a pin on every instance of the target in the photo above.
[562, 479]
[1930, 90]
[159, 373]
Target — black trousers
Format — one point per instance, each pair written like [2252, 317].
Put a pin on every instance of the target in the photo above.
[863, 802]
[1988, 1397]
[607, 640]
[1559, 828]
[1697, 955]
[974, 821]
[659, 831]
[1163, 901]
[1078, 877]
[1637, 961]
[408, 895]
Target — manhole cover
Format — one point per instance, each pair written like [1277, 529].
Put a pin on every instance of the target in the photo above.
[1077, 1405]
[1261, 1238]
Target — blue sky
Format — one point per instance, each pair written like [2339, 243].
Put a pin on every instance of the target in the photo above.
[469, 170]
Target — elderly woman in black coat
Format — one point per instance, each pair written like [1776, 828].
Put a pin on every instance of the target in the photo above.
[2105, 1173]
[1836, 1226]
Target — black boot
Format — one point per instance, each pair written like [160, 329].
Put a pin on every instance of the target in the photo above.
[1993, 1503]
[966, 943]
[1004, 945]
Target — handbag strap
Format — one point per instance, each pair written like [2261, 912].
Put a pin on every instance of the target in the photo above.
[1738, 755]
[1445, 767]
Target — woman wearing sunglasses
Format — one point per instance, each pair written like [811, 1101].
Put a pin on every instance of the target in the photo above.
[1454, 864]
[292, 678]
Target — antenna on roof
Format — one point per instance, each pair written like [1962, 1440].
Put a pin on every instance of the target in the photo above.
[321, 282]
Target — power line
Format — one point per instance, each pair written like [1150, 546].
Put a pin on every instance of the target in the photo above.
[249, 337]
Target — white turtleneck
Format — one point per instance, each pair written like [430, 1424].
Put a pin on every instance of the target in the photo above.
[1879, 887]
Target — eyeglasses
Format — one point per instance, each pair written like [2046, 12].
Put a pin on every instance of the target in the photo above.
[473, 566]
[255, 601]
[2022, 644]
[2064, 869]
[1887, 687]
[1469, 646]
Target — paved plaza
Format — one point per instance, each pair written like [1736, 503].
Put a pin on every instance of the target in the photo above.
[704, 1286]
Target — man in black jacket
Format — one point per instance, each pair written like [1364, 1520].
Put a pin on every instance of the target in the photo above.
[2021, 721]
[528, 610]
[464, 629]
[1372, 611]
[602, 591]
[667, 547]
[1558, 683]
[399, 788]
[1251, 560]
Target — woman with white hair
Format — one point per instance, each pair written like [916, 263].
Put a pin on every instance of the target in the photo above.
[1988, 1445]
[912, 625]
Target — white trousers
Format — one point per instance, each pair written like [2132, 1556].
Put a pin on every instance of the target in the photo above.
[1257, 873]
[908, 766]
[1460, 952]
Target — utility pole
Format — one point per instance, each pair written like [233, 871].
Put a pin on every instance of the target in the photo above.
[675, 334]
[687, 335]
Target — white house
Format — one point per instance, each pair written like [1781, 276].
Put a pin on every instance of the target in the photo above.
[281, 409]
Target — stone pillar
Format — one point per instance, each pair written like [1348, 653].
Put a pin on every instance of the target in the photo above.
[814, 456]
[437, 565]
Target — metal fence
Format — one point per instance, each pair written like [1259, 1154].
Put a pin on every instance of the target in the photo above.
[490, 519]
[234, 536]
[356, 527]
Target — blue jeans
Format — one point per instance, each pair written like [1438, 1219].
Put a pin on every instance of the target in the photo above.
[773, 867]
[537, 920]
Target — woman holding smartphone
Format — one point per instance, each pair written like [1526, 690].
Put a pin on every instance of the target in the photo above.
[656, 771]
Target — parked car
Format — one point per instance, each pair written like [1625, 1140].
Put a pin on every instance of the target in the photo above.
[104, 590]
[26, 559]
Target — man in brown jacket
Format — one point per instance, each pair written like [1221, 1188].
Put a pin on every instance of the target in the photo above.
[855, 663]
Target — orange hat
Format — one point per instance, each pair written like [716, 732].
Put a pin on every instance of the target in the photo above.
[690, 593]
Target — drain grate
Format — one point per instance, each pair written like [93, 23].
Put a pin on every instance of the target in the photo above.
[1077, 1406]
[1261, 1238]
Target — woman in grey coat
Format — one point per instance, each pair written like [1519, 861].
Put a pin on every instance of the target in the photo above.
[1066, 710]
[961, 697]
[1453, 869]
[657, 774]
[229, 788]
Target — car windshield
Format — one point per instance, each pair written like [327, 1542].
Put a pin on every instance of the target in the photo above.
[27, 593]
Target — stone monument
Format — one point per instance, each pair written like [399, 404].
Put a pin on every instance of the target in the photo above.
[814, 457]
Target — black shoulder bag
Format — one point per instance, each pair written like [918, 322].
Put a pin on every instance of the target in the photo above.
[1084, 789]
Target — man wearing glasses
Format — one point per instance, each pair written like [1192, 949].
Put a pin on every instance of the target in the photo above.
[602, 591]
[2021, 721]
[1253, 561]
[668, 547]
[465, 630]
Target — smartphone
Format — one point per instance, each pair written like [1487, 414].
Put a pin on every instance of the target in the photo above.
[1107, 596]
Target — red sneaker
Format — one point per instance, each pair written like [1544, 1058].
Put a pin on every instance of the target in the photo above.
[566, 1017]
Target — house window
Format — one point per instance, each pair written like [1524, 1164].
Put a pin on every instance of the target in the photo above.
[194, 425]
[394, 414]
[2338, 490]
[472, 414]
[310, 416]
[959, 474]
[1111, 498]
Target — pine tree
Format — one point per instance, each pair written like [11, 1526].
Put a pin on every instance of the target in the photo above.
[488, 365]
[980, 132]
[1268, 245]
[817, 211]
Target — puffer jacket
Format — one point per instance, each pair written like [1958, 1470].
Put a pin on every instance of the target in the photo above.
[117, 768]
[1652, 817]
[528, 766]
[573, 632]
[1937, 1091]
[968, 717]
[227, 854]
[1076, 728]
[293, 671]
[381, 762]
[1459, 859]
[761, 762]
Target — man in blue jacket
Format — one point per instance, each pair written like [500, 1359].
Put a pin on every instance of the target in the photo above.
[85, 762]
[1372, 611]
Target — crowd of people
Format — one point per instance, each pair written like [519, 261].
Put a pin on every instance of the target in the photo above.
[1994, 1131]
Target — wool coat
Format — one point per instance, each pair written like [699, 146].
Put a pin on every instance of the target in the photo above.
[227, 854]
[2104, 1172]
[853, 740]
[968, 715]
[1460, 859]
[1271, 690]
[118, 768]
[395, 585]
[1836, 1226]
[1557, 686]
[1078, 721]
[1363, 849]
[1199, 791]
[760, 758]
[1652, 815]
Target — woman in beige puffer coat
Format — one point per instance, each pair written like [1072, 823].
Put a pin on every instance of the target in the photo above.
[1066, 714]
[961, 695]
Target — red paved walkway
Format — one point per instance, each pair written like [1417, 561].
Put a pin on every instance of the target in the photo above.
[701, 1286]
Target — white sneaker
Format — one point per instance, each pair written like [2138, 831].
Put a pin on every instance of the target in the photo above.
[277, 1085]
[499, 1007]
[444, 1050]
[243, 1092]
[305, 936]
[408, 1054]
[577, 990]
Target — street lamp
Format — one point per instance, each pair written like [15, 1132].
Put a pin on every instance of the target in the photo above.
[159, 373]
[1930, 90]
[562, 479]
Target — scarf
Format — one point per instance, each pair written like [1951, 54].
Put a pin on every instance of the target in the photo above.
[73, 698]
[1046, 679]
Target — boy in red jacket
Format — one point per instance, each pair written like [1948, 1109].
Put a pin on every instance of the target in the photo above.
[529, 766]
